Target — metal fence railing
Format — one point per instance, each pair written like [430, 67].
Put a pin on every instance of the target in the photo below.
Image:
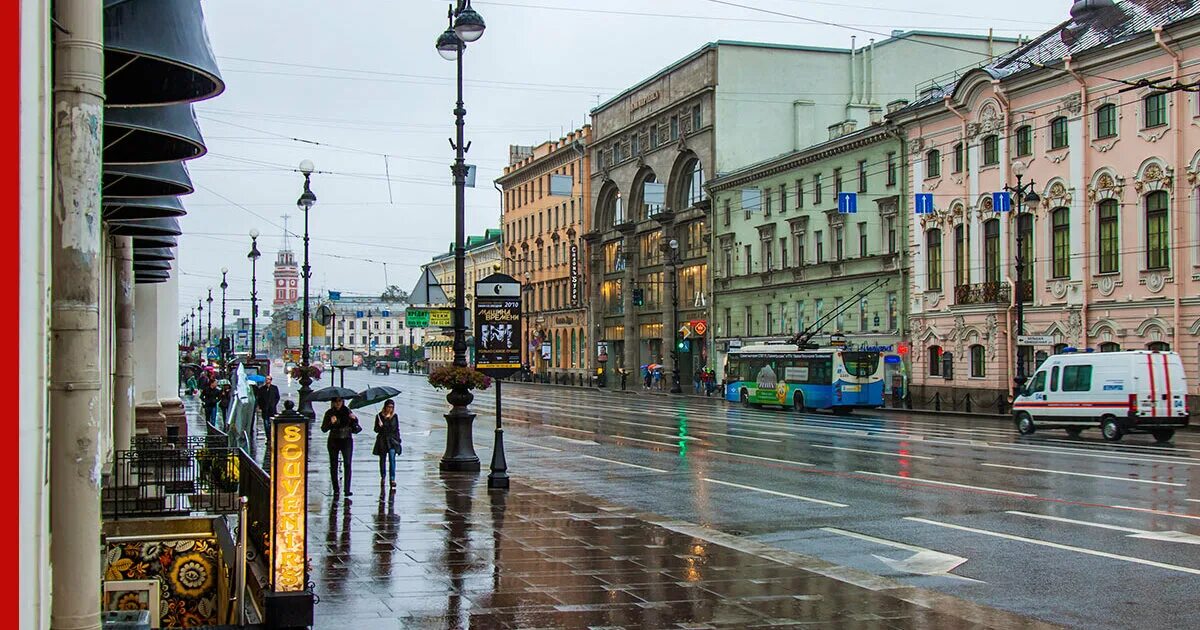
[175, 481]
[256, 487]
[986, 402]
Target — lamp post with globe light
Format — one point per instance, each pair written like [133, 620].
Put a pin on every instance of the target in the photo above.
[465, 26]
[253, 256]
[1022, 193]
[224, 286]
[306, 201]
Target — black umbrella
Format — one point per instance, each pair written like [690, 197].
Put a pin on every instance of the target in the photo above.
[373, 395]
[329, 393]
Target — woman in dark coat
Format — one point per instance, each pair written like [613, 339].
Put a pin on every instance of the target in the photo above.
[387, 440]
[341, 424]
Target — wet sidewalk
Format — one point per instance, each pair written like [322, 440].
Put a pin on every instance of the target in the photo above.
[443, 551]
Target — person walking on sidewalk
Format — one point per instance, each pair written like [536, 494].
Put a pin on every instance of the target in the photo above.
[210, 397]
[341, 424]
[387, 441]
[267, 396]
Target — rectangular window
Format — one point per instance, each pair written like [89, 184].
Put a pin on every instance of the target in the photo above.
[891, 235]
[862, 176]
[799, 193]
[1109, 236]
[933, 262]
[799, 316]
[1058, 133]
[1157, 238]
[1061, 243]
[783, 252]
[729, 263]
[819, 245]
[991, 150]
[783, 195]
[727, 213]
[696, 120]
[800, 258]
[749, 260]
[959, 163]
[1054, 379]
[766, 201]
[991, 251]
[817, 188]
[862, 240]
[1106, 121]
[1155, 107]
[839, 246]
[749, 322]
[891, 169]
[961, 275]
[767, 257]
[1025, 251]
[1025, 141]
[728, 322]
[769, 318]
[653, 136]
[635, 143]
[674, 128]
[1077, 378]
[837, 180]
[863, 325]
[893, 311]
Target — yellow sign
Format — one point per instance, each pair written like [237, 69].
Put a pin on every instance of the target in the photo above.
[443, 317]
[288, 492]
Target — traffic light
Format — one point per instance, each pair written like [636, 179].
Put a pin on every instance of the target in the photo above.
[639, 297]
[685, 345]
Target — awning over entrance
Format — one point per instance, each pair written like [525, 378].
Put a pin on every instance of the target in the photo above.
[151, 265]
[146, 180]
[153, 253]
[149, 135]
[150, 277]
[157, 53]
[146, 227]
[143, 242]
[124, 209]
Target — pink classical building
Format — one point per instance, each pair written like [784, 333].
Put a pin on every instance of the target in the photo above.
[1101, 115]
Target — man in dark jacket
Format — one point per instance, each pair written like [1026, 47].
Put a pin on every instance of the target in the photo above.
[210, 397]
[268, 402]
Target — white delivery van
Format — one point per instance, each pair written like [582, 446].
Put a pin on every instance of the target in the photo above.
[1120, 392]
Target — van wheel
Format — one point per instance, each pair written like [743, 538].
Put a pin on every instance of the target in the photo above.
[798, 402]
[1111, 429]
[1025, 424]
[1076, 432]
[1163, 436]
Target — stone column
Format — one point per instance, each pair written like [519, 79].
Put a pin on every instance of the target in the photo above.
[629, 321]
[156, 358]
[123, 361]
[75, 459]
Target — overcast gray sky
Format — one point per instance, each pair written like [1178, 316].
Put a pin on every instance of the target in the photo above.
[362, 79]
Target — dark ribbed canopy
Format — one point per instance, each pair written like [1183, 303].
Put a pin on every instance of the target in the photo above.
[151, 277]
[145, 227]
[157, 52]
[122, 209]
[148, 254]
[148, 135]
[146, 180]
[151, 265]
[147, 242]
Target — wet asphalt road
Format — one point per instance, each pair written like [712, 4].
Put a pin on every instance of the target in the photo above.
[1076, 532]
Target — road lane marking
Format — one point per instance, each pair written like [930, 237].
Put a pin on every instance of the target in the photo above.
[546, 448]
[922, 562]
[881, 541]
[739, 437]
[946, 483]
[574, 441]
[1044, 543]
[644, 424]
[864, 450]
[613, 461]
[1159, 512]
[1079, 474]
[670, 436]
[633, 439]
[766, 459]
[1193, 500]
[778, 494]
[555, 426]
[1167, 536]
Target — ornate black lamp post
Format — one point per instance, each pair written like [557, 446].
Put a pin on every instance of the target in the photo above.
[224, 286]
[306, 201]
[253, 256]
[465, 26]
[208, 330]
[192, 328]
[1023, 193]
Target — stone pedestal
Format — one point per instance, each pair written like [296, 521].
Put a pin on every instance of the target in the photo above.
[149, 420]
[175, 417]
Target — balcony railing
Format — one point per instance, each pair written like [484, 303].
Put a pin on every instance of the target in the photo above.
[174, 481]
[255, 485]
[983, 293]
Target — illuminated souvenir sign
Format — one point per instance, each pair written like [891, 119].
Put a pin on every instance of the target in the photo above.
[289, 489]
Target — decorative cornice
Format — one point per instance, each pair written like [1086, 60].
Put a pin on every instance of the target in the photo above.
[797, 159]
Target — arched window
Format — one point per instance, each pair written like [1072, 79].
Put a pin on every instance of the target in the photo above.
[648, 200]
[1158, 346]
[1058, 133]
[933, 260]
[1109, 234]
[1060, 238]
[935, 360]
[991, 150]
[1110, 346]
[1106, 121]
[978, 362]
[1158, 239]
[991, 250]
[691, 189]
[933, 161]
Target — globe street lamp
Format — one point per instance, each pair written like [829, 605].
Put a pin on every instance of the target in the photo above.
[1023, 193]
[253, 256]
[465, 26]
[200, 321]
[224, 286]
[673, 253]
[208, 331]
[305, 203]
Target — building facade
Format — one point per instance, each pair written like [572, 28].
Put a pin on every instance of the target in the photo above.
[655, 145]
[1109, 247]
[371, 326]
[482, 259]
[543, 248]
[785, 260]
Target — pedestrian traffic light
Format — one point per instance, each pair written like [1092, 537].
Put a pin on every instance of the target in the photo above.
[685, 345]
[639, 297]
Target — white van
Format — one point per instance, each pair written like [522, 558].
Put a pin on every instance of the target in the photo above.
[1121, 392]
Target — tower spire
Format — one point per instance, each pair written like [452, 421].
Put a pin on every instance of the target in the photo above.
[287, 246]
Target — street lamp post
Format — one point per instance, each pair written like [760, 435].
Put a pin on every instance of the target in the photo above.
[200, 320]
[253, 256]
[465, 26]
[306, 201]
[1024, 193]
[208, 329]
[224, 286]
[192, 328]
[673, 253]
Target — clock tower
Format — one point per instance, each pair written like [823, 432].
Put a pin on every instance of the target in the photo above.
[287, 272]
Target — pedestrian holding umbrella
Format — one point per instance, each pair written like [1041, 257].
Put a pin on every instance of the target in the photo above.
[373, 396]
[330, 393]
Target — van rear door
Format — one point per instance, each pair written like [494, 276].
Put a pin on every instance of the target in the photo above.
[1156, 391]
[1178, 382]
